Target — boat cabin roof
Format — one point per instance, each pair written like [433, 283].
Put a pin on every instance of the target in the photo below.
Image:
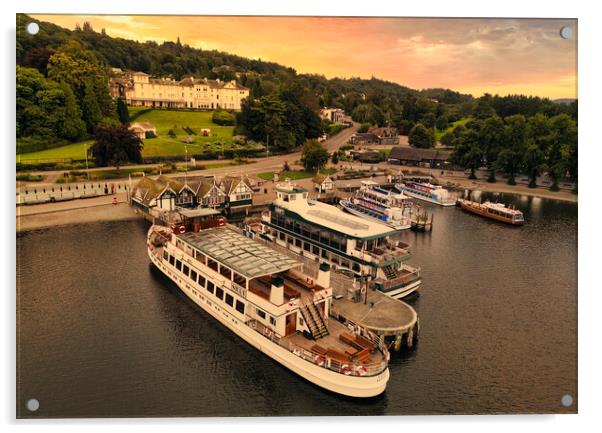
[240, 253]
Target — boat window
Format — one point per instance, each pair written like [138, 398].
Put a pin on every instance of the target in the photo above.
[178, 265]
[315, 250]
[210, 286]
[193, 275]
[172, 260]
[240, 307]
[200, 257]
[165, 255]
[272, 321]
[298, 243]
[185, 269]
[261, 313]
[229, 300]
[212, 264]
[201, 281]
[239, 279]
[226, 272]
[219, 292]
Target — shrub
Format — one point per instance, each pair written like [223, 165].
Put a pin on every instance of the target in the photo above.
[224, 118]
[150, 134]
[171, 133]
[364, 127]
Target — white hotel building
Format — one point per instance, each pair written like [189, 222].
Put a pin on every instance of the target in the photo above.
[140, 90]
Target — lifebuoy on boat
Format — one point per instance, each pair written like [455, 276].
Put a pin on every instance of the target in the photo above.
[361, 370]
[319, 360]
[346, 370]
[221, 222]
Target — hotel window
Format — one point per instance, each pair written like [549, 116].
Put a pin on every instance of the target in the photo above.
[229, 300]
[210, 286]
[193, 275]
[219, 292]
[201, 280]
[240, 307]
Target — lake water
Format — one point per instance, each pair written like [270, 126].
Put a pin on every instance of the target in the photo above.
[102, 334]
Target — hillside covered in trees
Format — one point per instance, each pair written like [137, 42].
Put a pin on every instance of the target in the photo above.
[62, 93]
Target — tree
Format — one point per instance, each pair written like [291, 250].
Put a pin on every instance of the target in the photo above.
[116, 145]
[364, 127]
[90, 109]
[314, 156]
[442, 123]
[510, 158]
[421, 137]
[491, 137]
[73, 127]
[533, 163]
[122, 112]
[429, 120]
[448, 138]
[562, 149]
[335, 158]
[467, 152]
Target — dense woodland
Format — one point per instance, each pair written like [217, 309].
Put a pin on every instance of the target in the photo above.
[62, 96]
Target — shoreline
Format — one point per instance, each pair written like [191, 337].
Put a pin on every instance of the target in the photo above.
[502, 187]
[79, 211]
[100, 209]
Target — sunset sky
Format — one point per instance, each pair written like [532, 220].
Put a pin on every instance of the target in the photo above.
[468, 55]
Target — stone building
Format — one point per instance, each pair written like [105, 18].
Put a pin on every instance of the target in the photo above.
[140, 90]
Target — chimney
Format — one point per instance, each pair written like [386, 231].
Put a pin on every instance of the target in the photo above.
[277, 291]
[323, 279]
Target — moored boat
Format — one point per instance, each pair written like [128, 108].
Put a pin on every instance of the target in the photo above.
[496, 211]
[264, 297]
[377, 204]
[427, 192]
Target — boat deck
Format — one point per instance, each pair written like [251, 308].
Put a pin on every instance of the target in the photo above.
[381, 313]
[332, 343]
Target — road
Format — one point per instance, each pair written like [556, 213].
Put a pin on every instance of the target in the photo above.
[258, 165]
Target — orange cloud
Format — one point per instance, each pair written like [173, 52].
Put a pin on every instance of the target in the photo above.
[469, 55]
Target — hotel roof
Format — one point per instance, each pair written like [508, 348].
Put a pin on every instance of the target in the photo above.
[243, 255]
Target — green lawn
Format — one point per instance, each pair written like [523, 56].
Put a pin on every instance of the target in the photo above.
[294, 174]
[439, 134]
[163, 145]
[74, 151]
[177, 120]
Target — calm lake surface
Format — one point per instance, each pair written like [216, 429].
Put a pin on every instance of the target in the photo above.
[102, 334]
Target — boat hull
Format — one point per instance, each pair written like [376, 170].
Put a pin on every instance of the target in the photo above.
[360, 214]
[466, 206]
[421, 197]
[402, 292]
[348, 385]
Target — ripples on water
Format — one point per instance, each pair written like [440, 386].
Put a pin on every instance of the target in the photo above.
[102, 334]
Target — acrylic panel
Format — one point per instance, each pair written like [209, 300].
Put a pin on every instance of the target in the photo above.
[295, 216]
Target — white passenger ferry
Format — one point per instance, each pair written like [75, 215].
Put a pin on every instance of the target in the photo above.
[263, 297]
[325, 233]
[377, 204]
[427, 192]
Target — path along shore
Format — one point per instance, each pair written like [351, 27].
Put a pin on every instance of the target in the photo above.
[78, 211]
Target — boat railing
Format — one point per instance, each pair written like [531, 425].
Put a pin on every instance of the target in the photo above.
[324, 361]
[405, 278]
